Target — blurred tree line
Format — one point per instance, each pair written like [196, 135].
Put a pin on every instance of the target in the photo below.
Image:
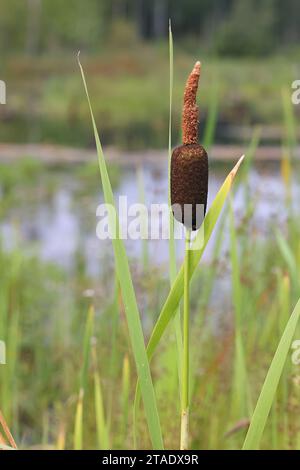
[228, 27]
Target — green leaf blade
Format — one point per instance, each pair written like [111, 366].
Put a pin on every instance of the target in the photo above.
[129, 299]
[176, 291]
[270, 385]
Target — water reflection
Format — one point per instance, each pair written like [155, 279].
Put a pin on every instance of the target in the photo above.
[63, 223]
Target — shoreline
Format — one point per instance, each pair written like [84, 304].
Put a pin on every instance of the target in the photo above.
[54, 155]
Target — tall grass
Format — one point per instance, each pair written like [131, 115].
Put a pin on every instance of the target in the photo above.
[270, 385]
[78, 431]
[241, 401]
[176, 292]
[129, 299]
[54, 368]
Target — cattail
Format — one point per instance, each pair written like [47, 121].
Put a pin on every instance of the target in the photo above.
[189, 163]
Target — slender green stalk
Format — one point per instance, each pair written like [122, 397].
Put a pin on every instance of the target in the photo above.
[172, 252]
[78, 429]
[175, 295]
[101, 423]
[114, 352]
[184, 437]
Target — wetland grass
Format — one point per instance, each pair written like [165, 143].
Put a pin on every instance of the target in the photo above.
[72, 383]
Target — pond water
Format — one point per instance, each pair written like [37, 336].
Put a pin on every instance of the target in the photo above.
[58, 220]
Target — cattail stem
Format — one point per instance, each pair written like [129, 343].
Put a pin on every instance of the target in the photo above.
[184, 437]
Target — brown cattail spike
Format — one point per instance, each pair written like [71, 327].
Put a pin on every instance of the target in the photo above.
[190, 113]
[189, 181]
[189, 163]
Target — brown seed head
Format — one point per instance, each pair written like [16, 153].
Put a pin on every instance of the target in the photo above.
[189, 184]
